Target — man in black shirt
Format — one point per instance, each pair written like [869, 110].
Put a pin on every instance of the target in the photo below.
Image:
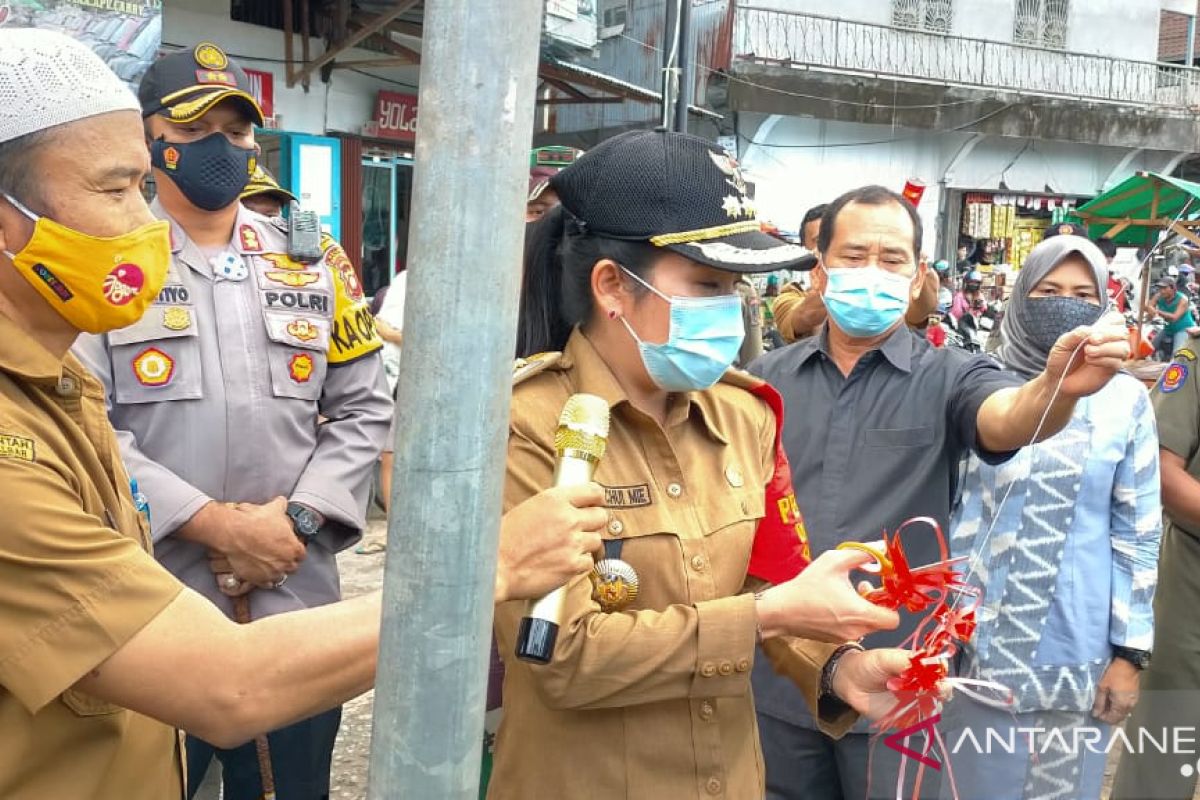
[877, 423]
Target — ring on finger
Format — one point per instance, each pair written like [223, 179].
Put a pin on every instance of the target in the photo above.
[231, 582]
[279, 582]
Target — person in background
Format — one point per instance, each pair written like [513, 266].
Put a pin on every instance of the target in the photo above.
[926, 302]
[876, 424]
[1186, 280]
[1176, 308]
[1113, 288]
[264, 195]
[963, 263]
[1070, 641]
[935, 333]
[968, 299]
[388, 309]
[752, 322]
[770, 330]
[799, 313]
[250, 402]
[546, 162]
[945, 294]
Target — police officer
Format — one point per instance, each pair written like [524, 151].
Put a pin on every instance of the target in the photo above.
[1172, 674]
[264, 195]
[219, 390]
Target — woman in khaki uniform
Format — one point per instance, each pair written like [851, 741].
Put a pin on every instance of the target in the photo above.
[632, 279]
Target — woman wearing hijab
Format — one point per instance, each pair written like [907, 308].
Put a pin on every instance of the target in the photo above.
[1063, 539]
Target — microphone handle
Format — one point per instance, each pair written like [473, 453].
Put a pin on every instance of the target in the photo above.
[539, 627]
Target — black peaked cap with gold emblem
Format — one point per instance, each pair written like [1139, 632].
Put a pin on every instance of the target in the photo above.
[675, 191]
[183, 86]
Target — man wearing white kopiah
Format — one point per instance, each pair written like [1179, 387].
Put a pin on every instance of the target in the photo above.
[249, 401]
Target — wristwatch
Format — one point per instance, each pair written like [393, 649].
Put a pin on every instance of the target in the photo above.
[305, 522]
[1139, 658]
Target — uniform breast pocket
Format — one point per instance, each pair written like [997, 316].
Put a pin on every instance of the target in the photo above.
[152, 362]
[898, 437]
[733, 519]
[297, 353]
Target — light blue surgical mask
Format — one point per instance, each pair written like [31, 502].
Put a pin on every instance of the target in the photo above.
[866, 301]
[705, 336]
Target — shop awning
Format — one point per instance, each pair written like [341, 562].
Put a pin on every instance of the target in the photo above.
[1134, 211]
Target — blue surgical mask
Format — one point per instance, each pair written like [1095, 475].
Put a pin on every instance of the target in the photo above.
[705, 336]
[866, 301]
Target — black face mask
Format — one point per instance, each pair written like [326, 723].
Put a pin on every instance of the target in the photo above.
[1046, 319]
[210, 173]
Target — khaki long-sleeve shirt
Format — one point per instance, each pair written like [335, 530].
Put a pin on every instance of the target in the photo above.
[77, 582]
[653, 701]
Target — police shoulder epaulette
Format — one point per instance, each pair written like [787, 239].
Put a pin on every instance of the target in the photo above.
[741, 379]
[526, 368]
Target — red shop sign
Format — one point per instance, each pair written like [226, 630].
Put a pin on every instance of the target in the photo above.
[396, 116]
[262, 87]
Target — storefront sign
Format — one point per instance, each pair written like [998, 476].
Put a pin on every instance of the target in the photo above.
[125, 33]
[396, 116]
[262, 86]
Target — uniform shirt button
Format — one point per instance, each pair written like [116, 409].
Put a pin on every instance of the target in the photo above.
[615, 526]
[743, 665]
[726, 668]
[713, 786]
[708, 670]
[734, 476]
[698, 563]
[675, 490]
[706, 710]
[66, 387]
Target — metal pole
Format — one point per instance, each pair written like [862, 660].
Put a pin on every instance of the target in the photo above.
[670, 56]
[687, 67]
[1191, 42]
[477, 93]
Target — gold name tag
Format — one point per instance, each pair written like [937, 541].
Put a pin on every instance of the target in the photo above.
[16, 447]
[627, 496]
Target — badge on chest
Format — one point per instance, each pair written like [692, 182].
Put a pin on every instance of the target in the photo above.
[230, 266]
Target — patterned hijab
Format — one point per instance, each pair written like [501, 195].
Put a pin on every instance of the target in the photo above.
[1018, 347]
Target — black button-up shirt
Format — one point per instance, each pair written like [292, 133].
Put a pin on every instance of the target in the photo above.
[873, 449]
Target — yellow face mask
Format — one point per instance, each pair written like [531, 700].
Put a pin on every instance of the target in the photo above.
[97, 284]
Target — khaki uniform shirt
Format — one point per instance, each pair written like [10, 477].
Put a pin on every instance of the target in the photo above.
[652, 702]
[217, 393]
[76, 583]
[785, 308]
[1176, 399]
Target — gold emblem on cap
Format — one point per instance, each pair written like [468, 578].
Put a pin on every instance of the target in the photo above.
[614, 584]
[176, 318]
[209, 56]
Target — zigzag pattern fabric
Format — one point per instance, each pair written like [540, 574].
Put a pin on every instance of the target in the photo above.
[1033, 558]
[1025, 566]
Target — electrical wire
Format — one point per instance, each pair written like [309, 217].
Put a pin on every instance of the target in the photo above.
[957, 128]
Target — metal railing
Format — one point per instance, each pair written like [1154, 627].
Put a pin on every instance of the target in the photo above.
[808, 40]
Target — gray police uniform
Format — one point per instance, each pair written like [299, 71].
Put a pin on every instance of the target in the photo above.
[252, 376]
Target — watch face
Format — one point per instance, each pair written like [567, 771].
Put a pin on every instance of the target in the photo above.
[304, 520]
